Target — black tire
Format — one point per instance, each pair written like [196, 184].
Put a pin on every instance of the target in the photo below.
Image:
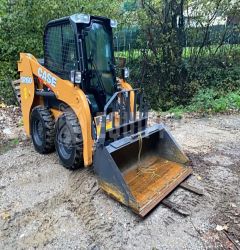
[42, 130]
[69, 141]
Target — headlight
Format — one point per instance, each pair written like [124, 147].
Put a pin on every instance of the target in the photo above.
[113, 23]
[81, 18]
[76, 76]
[126, 73]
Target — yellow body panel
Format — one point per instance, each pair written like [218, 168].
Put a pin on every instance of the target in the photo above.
[64, 90]
[27, 92]
[109, 125]
[127, 86]
[56, 113]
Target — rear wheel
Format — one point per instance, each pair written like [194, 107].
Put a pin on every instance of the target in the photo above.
[42, 130]
[68, 141]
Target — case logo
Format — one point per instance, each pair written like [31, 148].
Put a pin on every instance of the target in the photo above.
[47, 77]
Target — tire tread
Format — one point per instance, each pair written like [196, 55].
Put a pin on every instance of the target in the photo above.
[49, 125]
[72, 120]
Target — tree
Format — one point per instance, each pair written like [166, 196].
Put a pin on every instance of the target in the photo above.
[22, 25]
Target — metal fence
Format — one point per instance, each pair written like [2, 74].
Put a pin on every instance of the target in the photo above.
[130, 41]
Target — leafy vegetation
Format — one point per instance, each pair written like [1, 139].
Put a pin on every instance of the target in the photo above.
[171, 71]
[209, 101]
[174, 73]
[22, 25]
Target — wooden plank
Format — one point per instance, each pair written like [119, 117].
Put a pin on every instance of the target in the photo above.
[175, 207]
[191, 188]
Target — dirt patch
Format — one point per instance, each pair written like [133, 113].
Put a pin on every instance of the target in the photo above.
[11, 128]
[44, 205]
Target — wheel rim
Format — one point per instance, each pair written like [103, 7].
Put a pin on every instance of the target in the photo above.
[38, 132]
[65, 142]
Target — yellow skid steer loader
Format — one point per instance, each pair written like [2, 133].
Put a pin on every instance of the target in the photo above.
[72, 102]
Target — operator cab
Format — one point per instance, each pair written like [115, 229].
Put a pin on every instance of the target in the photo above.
[79, 48]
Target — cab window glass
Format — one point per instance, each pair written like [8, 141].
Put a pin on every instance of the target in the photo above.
[60, 54]
[99, 53]
[53, 53]
[68, 50]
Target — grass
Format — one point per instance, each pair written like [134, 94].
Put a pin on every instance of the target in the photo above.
[209, 101]
[177, 112]
[209, 50]
[133, 54]
[8, 145]
[187, 51]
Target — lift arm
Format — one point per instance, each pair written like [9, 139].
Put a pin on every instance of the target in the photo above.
[64, 91]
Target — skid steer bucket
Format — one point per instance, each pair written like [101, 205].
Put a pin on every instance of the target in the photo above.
[141, 165]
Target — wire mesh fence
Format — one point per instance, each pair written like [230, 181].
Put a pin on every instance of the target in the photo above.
[131, 44]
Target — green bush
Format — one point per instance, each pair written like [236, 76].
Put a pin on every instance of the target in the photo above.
[22, 26]
[8, 72]
[177, 112]
[209, 73]
[220, 105]
[169, 81]
[221, 71]
[209, 100]
[234, 100]
[203, 100]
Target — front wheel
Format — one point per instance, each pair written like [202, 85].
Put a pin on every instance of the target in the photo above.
[42, 130]
[69, 141]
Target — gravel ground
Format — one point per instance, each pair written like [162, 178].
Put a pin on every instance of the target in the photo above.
[43, 205]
